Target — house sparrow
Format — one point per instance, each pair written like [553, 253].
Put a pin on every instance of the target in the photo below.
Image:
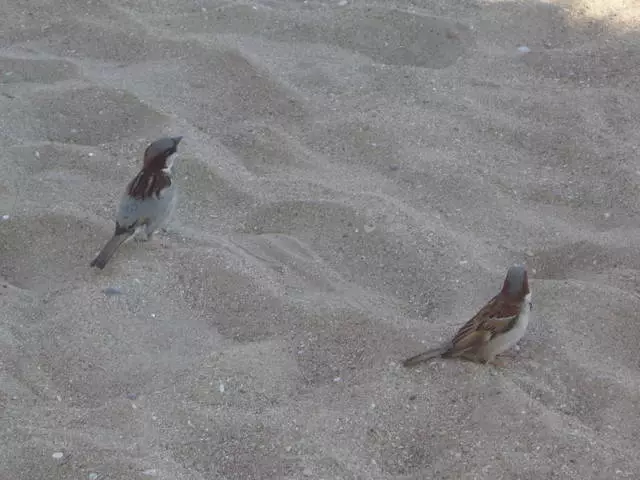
[494, 329]
[148, 201]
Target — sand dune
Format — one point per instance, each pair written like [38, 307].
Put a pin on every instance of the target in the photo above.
[355, 180]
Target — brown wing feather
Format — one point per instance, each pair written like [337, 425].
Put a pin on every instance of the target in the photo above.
[148, 183]
[471, 342]
[497, 316]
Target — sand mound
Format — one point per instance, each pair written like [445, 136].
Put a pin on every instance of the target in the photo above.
[355, 180]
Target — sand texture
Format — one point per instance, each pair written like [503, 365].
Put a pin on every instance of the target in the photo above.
[355, 179]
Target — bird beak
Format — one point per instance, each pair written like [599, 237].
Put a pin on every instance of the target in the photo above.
[176, 140]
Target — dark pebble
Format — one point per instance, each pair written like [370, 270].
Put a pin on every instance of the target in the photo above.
[112, 291]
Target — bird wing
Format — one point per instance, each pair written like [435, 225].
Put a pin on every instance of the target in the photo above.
[496, 317]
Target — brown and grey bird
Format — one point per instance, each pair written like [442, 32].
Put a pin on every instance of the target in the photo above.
[498, 326]
[148, 201]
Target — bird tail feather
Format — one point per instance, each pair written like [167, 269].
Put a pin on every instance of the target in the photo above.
[109, 249]
[428, 355]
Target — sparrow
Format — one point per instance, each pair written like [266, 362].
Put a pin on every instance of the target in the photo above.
[148, 200]
[498, 326]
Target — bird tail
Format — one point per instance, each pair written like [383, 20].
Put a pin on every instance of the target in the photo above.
[428, 355]
[109, 249]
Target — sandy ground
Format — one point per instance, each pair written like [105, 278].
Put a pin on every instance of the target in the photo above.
[356, 178]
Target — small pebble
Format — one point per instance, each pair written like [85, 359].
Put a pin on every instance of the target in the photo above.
[58, 455]
[152, 472]
[524, 49]
[93, 476]
[221, 388]
[112, 291]
[132, 396]
[307, 472]
[5, 217]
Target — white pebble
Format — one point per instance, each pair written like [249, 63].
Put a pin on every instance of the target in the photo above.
[5, 217]
[221, 387]
[524, 49]
[152, 472]
[58, 455]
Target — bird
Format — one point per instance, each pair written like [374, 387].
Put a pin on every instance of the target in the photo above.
[498, 326]
[148, 200]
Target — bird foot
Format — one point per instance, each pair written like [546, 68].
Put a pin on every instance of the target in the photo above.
[498, 362]
[511, 353]
[142, 237]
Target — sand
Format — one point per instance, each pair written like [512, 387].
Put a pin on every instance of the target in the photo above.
[355, 179]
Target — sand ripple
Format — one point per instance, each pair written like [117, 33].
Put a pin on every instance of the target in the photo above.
[355, 179]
